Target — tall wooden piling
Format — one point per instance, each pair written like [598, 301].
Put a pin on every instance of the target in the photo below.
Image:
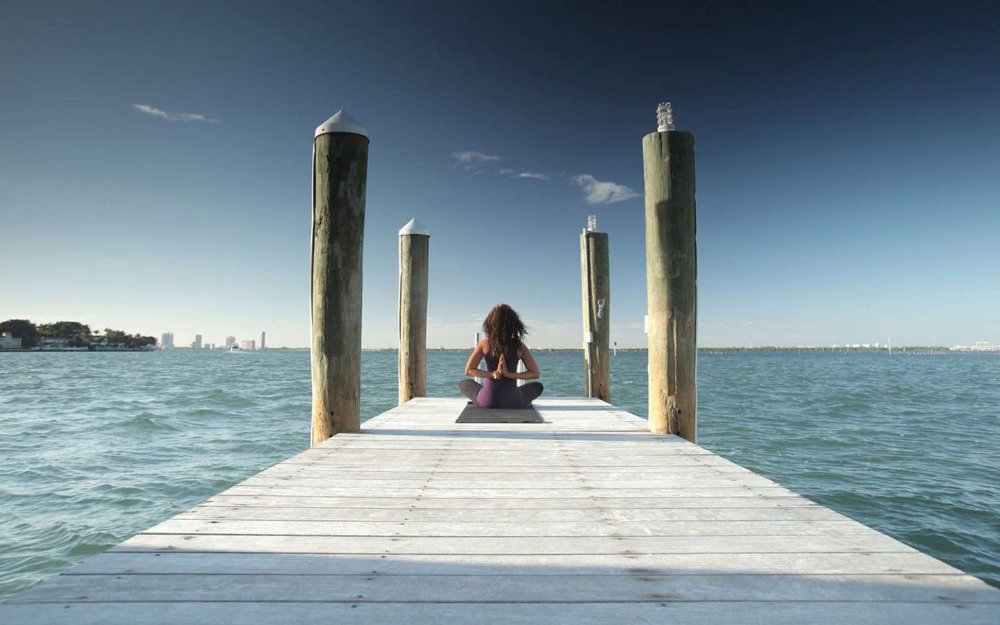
[414, 248]
[671, 281]
[596, 288]
[340, 171]
[474, 344]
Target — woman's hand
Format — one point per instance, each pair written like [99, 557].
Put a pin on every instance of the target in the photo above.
[501, 368]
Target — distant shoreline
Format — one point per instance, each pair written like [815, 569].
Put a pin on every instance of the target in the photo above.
[704, 350]
[73, 349]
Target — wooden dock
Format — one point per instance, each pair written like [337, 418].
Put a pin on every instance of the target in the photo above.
[586, 518]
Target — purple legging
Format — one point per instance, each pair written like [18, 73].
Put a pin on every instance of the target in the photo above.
[500, 394]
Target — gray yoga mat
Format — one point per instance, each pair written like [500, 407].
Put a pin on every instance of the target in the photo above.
[475, 414]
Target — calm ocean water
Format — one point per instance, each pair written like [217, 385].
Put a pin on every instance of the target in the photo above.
[99, 446]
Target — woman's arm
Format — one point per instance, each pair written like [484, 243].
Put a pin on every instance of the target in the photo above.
[472, 366]
[529, 364]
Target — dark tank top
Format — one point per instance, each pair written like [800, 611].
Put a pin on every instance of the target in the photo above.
[502, 393]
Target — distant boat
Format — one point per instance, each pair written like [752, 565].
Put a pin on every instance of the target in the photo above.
[234, 348]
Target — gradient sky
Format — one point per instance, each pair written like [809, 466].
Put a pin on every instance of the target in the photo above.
[155, 162]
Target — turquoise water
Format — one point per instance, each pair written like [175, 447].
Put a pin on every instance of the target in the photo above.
[99, 446]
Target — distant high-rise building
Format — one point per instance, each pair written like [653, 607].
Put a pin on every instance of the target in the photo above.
[248, 345]
[230, 341]
[197, 342]
[262, 336]
[167, 340]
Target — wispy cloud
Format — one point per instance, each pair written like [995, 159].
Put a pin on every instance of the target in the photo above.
[602, 191]
[595, 191]
[472, 160]
[533, 175]
[173, 117]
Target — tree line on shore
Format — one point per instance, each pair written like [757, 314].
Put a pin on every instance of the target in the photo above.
[75, 333]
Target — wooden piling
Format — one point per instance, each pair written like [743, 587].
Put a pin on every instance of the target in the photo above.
[596, 288]
[671, 281]
[340, 169]
[475, 342]
[414, 248]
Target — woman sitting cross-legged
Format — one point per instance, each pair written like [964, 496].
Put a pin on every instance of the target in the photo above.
[502, 348]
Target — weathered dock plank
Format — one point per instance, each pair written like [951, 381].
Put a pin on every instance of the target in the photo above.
[824, 563]
[461, 528]
[507, 515]
[500, 545]
[503, 613]
[462, 588]
[418, 519]
[789, 500]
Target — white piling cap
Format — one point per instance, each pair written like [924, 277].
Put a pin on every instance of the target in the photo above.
[414, 227]
[341, 122]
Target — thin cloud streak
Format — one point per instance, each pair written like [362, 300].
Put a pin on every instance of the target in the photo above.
[602, 191]
[173, 117]
[475, 157]
[532, 175]
[473, 161]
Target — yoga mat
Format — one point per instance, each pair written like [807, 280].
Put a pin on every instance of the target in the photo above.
[475, 414]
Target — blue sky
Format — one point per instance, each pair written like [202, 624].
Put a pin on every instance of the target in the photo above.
[155, 159]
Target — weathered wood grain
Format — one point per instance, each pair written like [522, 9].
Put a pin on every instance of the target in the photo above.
[671, 281]
[595, 273]
[459, 588]
[181, 562]
[438, 522]
[340, 175]
[414, 257]
[506, 613]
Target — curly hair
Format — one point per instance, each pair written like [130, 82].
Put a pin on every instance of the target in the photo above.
[504, 329]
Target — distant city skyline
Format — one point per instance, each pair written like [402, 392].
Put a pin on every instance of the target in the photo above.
[167, 341]
[886, 344]
[846, 164]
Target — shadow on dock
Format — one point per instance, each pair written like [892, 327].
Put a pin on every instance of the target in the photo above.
[475, 585]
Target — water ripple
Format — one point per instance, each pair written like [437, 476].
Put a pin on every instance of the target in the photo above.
[101, 446]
